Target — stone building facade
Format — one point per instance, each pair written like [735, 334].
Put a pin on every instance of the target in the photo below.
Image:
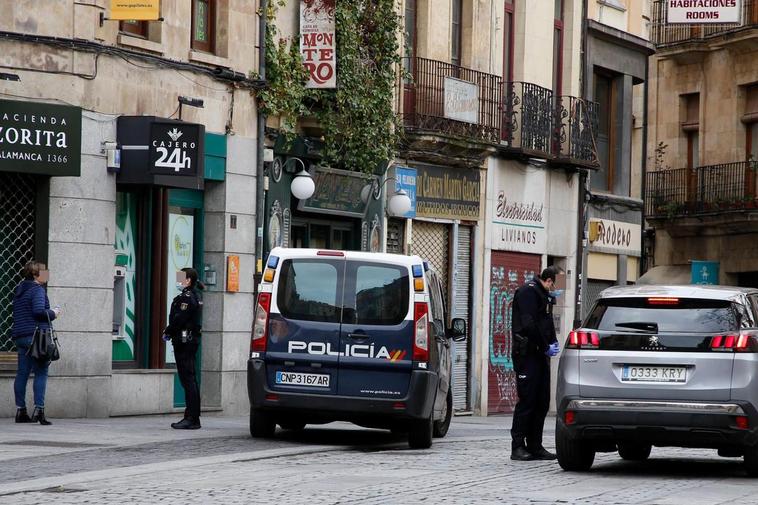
[113, 237]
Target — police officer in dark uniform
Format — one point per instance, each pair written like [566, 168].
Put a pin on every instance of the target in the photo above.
[533, 344]
[184, 332]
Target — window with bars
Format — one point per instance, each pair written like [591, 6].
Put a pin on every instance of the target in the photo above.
[17, 228]
[203, 25]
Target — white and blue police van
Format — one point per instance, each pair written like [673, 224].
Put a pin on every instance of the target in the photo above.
[351, 336]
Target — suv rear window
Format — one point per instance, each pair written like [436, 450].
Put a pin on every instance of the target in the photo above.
[688, 315]
[309, 290]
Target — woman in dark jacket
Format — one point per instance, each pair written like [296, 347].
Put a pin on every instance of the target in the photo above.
[184, 332]
[31, 310]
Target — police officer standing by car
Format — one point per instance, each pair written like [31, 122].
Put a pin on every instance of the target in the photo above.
[533, 344]
[184, 332]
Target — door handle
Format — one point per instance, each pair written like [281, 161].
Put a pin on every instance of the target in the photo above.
[357, 336]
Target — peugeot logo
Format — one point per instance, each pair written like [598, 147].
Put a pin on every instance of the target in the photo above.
[654, 342]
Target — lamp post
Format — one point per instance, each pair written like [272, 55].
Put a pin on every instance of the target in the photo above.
[302, 186]
[398, 204]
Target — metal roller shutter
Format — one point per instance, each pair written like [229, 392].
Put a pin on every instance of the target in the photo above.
[431, 242]
[508, 271]
[17, 212]
[460, 308]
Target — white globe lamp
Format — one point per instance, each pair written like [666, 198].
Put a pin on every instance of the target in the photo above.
[302, 186]
[400, 203]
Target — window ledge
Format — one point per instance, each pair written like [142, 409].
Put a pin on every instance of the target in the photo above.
[208, 59]
[140, 43]
[615, 4]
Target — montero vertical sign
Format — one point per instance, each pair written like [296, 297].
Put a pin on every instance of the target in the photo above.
[703, 11]
[318, 43]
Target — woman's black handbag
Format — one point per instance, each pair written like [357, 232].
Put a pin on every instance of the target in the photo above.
[44, 344]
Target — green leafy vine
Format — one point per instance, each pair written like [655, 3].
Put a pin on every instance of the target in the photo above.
[361, 129]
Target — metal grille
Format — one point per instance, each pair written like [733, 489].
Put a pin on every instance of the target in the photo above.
[430, 241]
[460, 308]
[395, 231]
[17, 197]
[592, 294]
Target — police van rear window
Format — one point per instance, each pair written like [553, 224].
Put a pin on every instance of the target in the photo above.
[378, 294]
[310, 290]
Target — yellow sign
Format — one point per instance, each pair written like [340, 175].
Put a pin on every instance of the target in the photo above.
[233, 274]
[139, 10]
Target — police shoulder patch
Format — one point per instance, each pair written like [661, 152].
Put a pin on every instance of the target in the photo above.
[184, 306]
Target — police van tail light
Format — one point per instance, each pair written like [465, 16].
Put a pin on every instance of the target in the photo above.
[421, 332]
[583, 339]
[260, 325]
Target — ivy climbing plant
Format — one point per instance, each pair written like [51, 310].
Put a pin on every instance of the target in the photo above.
[361, 130]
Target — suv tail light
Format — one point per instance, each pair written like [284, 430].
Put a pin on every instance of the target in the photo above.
[421, 332]
[260, 324]
[583, 339]
[737, 342]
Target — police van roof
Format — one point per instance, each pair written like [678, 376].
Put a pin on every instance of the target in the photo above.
[397, 259]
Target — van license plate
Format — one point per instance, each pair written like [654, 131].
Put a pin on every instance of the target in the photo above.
[302, 379]
[644, 373]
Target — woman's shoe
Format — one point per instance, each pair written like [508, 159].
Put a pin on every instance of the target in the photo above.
[39, 416]
[22, 416]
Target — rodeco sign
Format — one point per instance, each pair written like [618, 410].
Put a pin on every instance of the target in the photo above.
[615, 235]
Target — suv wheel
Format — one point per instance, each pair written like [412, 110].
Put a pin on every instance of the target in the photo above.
[573, 455]
[634, 452]
[420, 433]
[262, 425]
[751, 461]
[441, 426]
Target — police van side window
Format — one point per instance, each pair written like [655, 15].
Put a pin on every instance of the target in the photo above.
[380, 294]
[309, 290]
[437, 302]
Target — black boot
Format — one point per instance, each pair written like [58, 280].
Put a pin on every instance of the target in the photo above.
[187, 424]
[22, 416]
[39, 416]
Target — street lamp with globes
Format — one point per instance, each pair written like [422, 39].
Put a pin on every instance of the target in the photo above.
[302, 186]
[398, 204]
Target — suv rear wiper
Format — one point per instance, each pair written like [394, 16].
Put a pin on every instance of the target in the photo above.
[639, 325]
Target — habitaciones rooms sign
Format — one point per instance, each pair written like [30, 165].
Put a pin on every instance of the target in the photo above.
[703, 11]
[40, 138]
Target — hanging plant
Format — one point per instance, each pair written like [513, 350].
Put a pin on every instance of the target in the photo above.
[360, 126]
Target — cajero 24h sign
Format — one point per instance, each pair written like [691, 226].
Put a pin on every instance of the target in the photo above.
[703, 11]
[174, 148]
[40, 138]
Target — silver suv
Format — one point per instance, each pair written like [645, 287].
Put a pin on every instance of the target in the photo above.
[661, 366]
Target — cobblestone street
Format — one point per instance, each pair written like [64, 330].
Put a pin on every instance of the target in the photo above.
[337, 464]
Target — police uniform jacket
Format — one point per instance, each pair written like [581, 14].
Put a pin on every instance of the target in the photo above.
[532, 316]
[184, 315]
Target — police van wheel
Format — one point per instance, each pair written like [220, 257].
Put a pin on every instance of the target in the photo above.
[420, 433]
[573, 454]
[441, 426]
[262, 424]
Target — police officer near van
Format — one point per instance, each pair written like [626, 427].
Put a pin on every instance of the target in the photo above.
[184, 332]
[533, 344]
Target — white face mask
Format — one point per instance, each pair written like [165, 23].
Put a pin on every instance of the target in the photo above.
[179, 286]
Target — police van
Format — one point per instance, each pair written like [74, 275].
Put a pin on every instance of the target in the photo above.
[351, 336]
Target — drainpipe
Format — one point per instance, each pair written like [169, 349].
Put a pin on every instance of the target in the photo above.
[642, 267]
[581, 259]
[260, 196]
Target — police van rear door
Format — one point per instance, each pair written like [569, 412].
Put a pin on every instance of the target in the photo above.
[304, 324]
[377, 328]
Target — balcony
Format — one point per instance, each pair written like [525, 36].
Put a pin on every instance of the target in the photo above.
[663, 33]
[480, 113]
[708, 193]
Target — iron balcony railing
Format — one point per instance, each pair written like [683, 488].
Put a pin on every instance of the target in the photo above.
[575, 129]
[528, 115]
[519, 116]
[708, 189]
[662, 32]
[473, 100]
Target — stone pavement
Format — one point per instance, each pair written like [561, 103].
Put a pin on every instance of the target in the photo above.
[333, 464]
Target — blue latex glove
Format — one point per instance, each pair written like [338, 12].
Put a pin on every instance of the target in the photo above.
[553, 349]
[165, 337]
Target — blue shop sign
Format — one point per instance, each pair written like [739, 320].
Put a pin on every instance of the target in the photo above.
[705, 272]
[406, 180]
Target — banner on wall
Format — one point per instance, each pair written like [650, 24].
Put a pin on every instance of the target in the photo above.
[135, 10]
[703, 11]
[519, 214]
[318, 44]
